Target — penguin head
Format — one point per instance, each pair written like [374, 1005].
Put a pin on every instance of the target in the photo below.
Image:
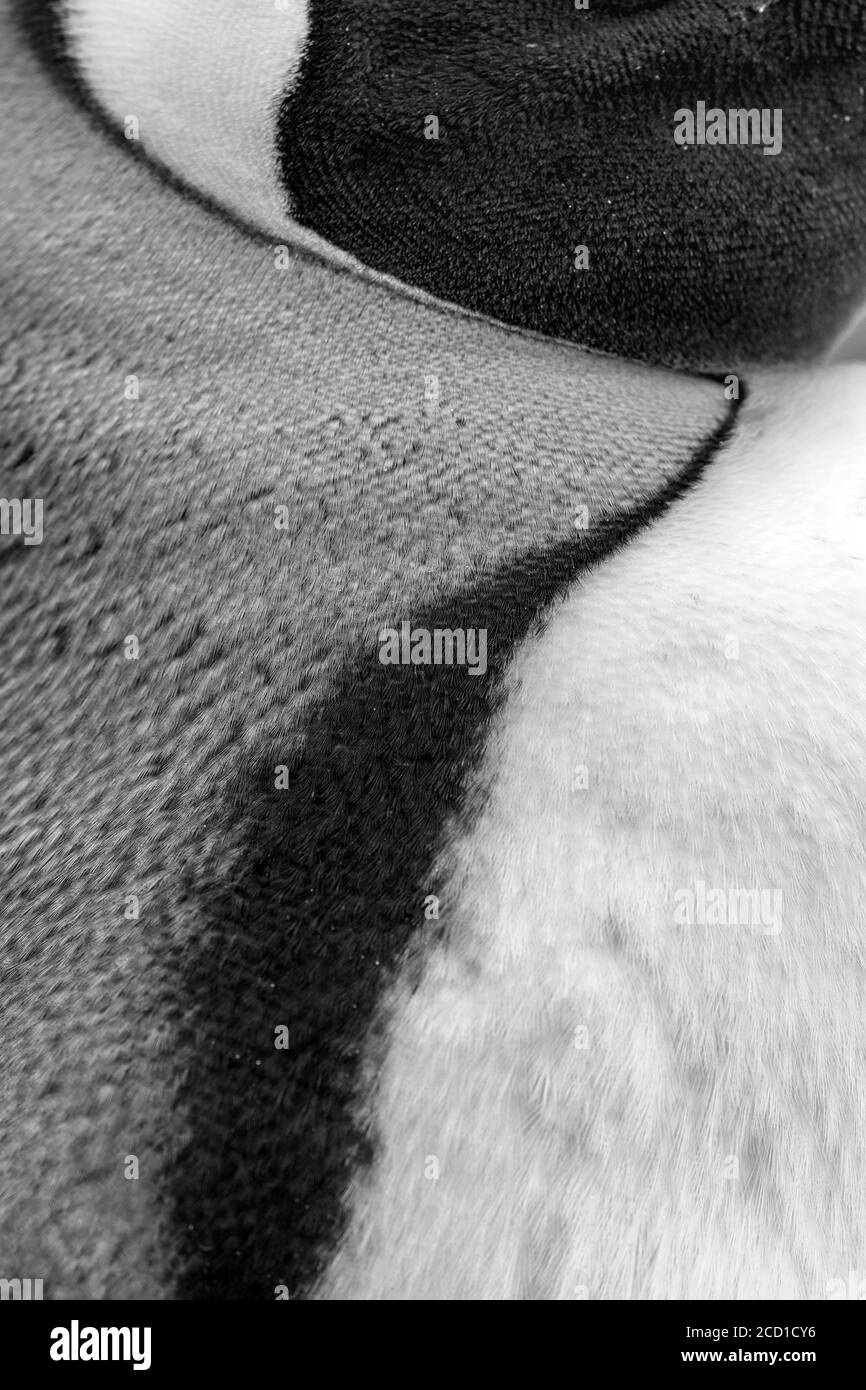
[678, 181]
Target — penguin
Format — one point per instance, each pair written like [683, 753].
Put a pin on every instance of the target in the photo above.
[340, 332]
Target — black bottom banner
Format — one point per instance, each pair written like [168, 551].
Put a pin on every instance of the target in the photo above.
[161, 1340]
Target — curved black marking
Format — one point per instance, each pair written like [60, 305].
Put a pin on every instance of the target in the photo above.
[556, 130]
[40, 22]
[329, 898]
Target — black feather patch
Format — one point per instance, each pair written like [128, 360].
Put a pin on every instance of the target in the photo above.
[471, 149]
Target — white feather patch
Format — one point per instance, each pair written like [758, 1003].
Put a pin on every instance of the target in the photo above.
[203, 79]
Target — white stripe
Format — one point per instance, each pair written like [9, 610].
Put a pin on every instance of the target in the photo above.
[205, 79]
